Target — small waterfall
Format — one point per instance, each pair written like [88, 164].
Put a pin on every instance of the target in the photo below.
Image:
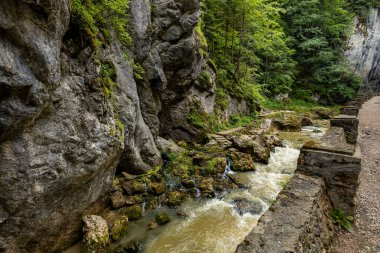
[228, 169]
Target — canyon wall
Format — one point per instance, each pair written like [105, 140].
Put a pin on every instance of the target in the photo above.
[363, 49]
[63, 135]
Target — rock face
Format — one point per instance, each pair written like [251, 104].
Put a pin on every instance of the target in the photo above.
[62, 134]
[364, 46]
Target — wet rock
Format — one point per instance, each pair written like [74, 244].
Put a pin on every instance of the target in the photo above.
[133, 200]
[306, 122]
[134, 187]
[162, 218]
[188, 183]
[3, 215]
[133, 212]
[181, 212]
[168, 146]
[324, 114]
[117, 200]
[241, 161]
[96, 235]
[248, 206]
[133, 246]
[157, 188]
[152, 203]
[152, 225]
[117, 225]
[207, 188]
[253, 145]
[174, 198]
[273, 140]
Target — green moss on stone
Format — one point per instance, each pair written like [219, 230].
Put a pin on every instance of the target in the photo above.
[162, 218]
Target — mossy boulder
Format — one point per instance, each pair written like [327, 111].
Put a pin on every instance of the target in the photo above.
[134, 187]
[96, 234]
[119, 228]
[118, 200]
[133, 246]
[157, 188]
[162, 218]
[255, 145]
[174, 198]
[133, 200]
[286, 121]
[117, 224]
[133, 212]
[241, 161]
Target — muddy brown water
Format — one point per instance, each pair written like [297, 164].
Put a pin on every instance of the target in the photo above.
[215, 225]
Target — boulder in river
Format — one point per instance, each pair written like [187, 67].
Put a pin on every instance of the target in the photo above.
[253, 145]
[96, 235]
[162, 218]
[248, 206]
[241, 161]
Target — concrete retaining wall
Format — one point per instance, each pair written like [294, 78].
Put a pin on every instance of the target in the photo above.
[326, 178]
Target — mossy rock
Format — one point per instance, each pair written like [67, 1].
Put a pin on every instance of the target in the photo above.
[117, 200]
[205, 80]
[162, 218]
[133, 246]
[174, 198]
[133, 200]
[119, 228]
[157, 188]
[133, 212]
[241, 161]
[134, 187]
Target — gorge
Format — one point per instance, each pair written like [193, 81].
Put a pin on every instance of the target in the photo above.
[75, 114]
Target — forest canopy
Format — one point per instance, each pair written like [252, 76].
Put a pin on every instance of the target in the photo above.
[283, 46]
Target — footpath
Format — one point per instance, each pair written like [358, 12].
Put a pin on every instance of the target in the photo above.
[365, 236]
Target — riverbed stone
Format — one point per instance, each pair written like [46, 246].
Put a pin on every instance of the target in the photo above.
[174, 198]
[117, 199]
[254, 145]
[243, 206]
[162, 218]
[241, 161]
[157, 188]
[133, 212]
[96, 235]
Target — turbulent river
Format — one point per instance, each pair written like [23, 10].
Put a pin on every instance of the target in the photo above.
[216, 225]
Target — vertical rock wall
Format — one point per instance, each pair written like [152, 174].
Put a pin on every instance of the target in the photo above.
[363, 49]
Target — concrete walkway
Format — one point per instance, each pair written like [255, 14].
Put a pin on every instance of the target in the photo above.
[365, 237]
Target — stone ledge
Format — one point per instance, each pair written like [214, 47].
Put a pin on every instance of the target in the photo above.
[298, 221]
[350, 124]
[333, 141]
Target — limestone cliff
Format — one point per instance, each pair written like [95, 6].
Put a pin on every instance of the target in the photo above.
[363, 48]
[62, 137]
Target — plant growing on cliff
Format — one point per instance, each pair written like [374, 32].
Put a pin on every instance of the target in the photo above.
[96, 17]
[341, 219]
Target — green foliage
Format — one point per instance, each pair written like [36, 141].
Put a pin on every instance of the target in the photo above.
[96, 17]
[361, 7]
[248, 45]
[108, 81]
[341, 219]
[205, 80]
[138, 70]
[221, 99]
[319, 29]
[298, 105]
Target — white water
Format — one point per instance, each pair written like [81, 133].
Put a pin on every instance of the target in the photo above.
[215, 226]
